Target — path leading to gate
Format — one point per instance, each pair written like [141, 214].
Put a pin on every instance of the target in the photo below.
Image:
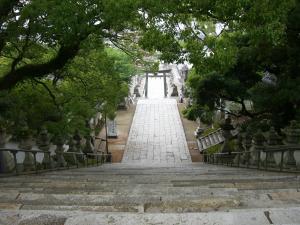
[156, 135]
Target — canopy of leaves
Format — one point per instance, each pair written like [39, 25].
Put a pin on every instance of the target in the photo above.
[58, 47]
[231, 44]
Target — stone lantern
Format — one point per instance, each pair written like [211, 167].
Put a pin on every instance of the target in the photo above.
[292, 138]
[257, 148]
[26, 143]
[77, 139]
[226, 132]
[6, 158]
[185, 71]
[59, 151]
[88, 147]
[43, 142]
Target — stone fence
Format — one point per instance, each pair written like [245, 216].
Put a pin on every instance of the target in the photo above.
[42, 153]
[263, 150]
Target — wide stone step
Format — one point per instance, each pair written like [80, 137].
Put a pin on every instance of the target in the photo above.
[172, 200]
[233, 217]
[126, 203]
[173, 187]
[248, 182]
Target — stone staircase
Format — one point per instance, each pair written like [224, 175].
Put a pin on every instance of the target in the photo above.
[191, 193]
[209, 140]
[212, 139]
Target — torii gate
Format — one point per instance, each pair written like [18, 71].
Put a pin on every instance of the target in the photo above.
[165, 74]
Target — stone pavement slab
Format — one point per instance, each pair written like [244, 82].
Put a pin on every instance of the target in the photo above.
[156, 135]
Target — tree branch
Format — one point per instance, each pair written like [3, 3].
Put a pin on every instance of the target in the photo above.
[21, 51]
[49, 91]
[123, 48]
[64, 54]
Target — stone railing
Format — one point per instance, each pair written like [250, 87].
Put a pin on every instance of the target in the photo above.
[263, 151]
[39, 154]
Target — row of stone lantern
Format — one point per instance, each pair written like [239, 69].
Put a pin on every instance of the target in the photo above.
[270, 147]
[44, 146]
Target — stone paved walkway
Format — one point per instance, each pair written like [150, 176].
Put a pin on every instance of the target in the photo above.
[156, 135]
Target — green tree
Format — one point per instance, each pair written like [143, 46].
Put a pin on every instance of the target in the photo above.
[65, 105]
[39, 37]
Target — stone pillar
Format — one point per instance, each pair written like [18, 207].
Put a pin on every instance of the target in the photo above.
[165, 85]
[6, 158]
[146, 86]
[26, 144]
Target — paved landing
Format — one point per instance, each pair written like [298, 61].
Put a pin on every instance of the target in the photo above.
[156, 135]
